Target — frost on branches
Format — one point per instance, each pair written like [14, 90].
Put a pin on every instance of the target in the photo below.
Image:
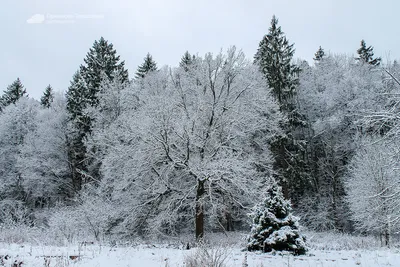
[274, 227]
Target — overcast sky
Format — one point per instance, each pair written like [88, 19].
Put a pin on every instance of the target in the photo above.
[50, 52]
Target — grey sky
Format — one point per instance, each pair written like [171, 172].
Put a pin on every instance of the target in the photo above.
[42, 54]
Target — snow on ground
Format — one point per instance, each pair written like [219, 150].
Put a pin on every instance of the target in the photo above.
[165, 255]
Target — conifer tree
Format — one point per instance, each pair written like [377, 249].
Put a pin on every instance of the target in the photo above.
[101, 62]
[274, 57]
[13, 92]
[274, 227]
[77, 101]
[319, 55]
[147, 66]
[186, 61]
[366, 54]
[101, 58]
[48, 97]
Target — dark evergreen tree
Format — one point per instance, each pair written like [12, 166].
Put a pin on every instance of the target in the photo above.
[274, 227]
[101, 62]
[48, 97]
[148, 65]
[366, 55]
[13, 92]
[77, 101]
[186, 61]
[102, 59]
[319, 55]
[274, 57]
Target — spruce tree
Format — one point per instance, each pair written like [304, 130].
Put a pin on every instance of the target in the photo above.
[366, 55]
[48, 97]
[147, 66]
[319, 55]
[77, 101]
[186, 61]
[13, 92]
[274, 227]
[101, 62]
[101, 58]
[274, 57]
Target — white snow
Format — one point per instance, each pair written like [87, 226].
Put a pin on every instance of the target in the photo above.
[164, 255]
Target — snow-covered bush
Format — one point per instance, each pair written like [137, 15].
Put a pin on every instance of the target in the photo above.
[274, 227]
[205, 255]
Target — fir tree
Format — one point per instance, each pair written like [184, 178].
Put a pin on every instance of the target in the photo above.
[101, 62]
[148, 65]
[274, 57]
[186, 61]
[77, 101]
[366, 54]
[274, 227]
[101, 58]
[48, 97]
[13, 92]
[319, 55]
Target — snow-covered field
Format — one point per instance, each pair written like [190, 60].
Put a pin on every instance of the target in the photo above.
[174, 255]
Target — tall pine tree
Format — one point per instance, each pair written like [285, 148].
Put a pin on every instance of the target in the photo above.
[48, 97]
[147, 66]
[366, 55]
[101, 58]
[13, 92]
[101, 62]
[273, 58]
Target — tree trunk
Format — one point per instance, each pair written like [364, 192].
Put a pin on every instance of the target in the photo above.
[199, 220]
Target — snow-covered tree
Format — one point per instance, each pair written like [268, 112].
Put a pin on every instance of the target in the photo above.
[366, 55]
[373, 188]
[43, 159]
[48, 97]
[274, 227]
[334, 95]
[16, 121]
[149, 65]
[319, 55]
[11, 95]
[194, 149]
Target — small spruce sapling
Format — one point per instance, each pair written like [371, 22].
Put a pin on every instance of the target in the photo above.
[274, 227]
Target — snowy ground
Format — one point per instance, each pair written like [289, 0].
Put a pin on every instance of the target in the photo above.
[163, 255]
[327, 250]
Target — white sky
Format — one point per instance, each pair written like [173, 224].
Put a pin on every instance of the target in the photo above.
[42, 54]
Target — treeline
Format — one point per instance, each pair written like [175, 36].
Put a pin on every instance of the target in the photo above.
[193, 147]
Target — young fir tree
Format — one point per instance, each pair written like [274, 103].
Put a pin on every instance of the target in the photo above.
[147, 66]
[186, 61]
[319, 55]
[366, 55]
[274, 227]
[273, 58]
[13, 92]
[48, 97]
